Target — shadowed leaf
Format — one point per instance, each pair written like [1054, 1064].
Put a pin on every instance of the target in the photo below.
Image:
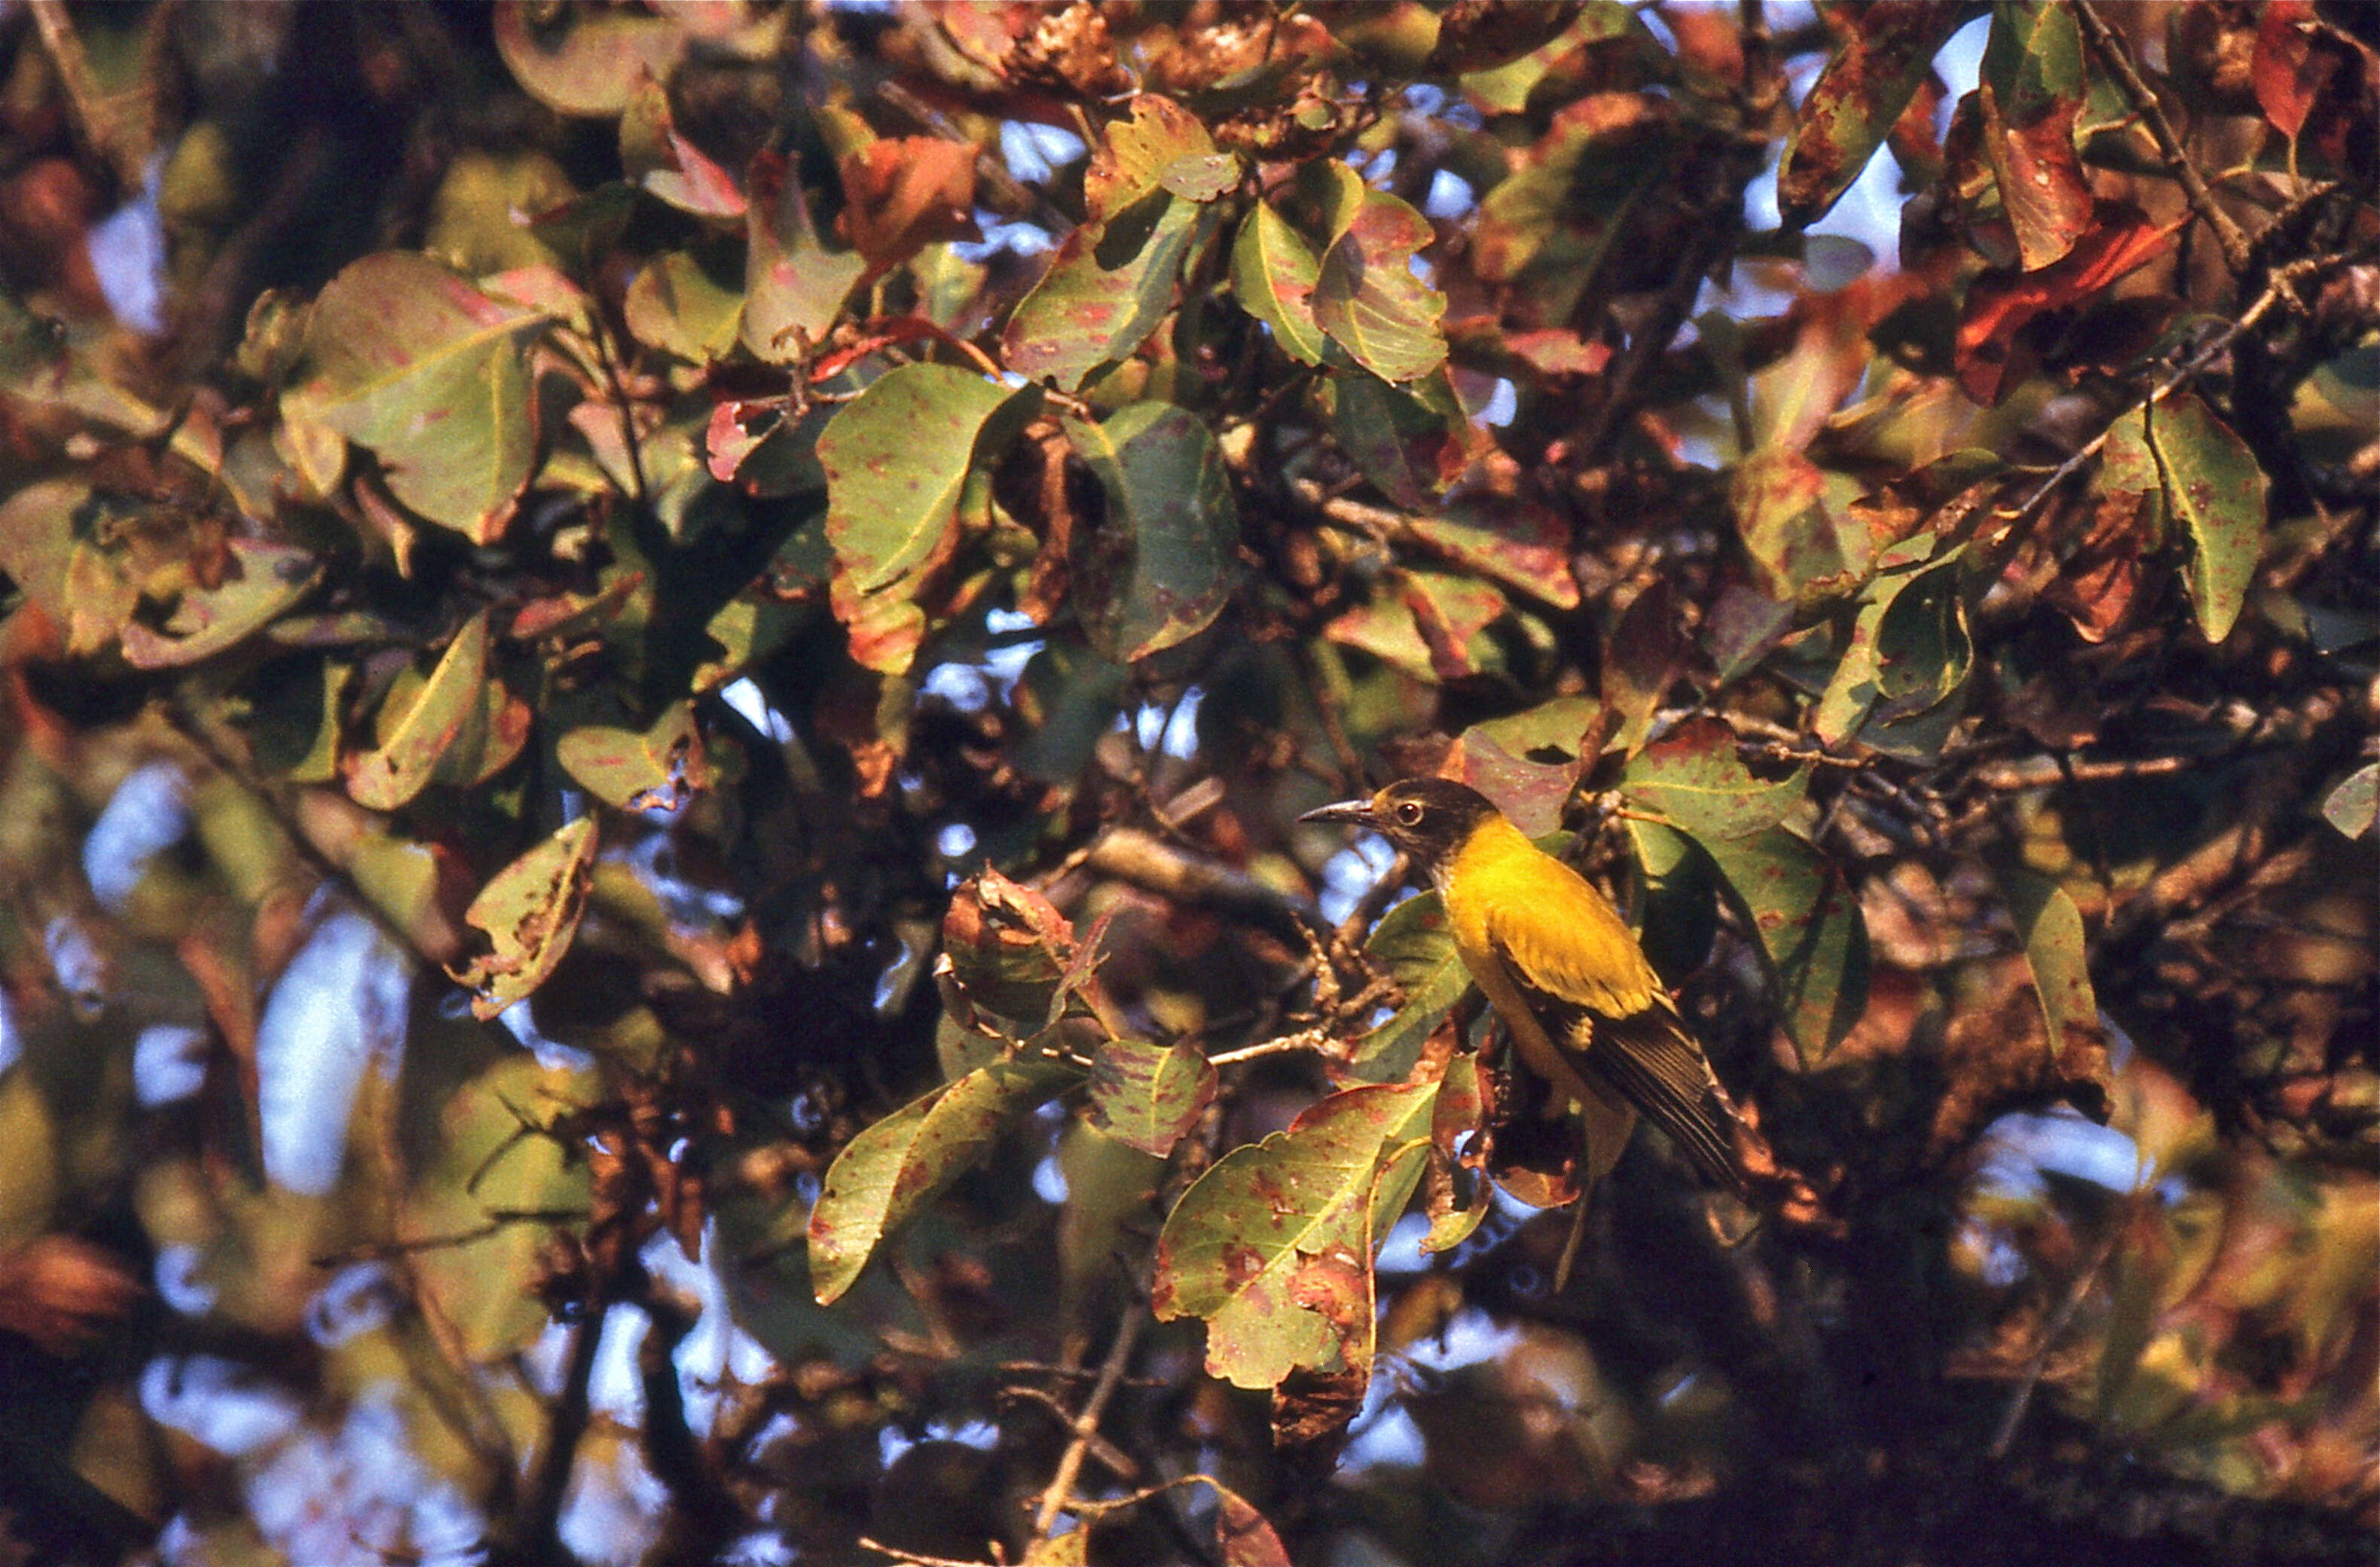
[2216, 491]
[1147, 1096]
[1413, 946]
[888, 1173]
[1852, 105]
[412, 740]
[1160, 566]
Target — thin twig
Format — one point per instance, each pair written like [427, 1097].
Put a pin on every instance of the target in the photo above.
[99, 128]
[2113, 54]
[2053, 1329]
[1056, 1497]
[916, 1558]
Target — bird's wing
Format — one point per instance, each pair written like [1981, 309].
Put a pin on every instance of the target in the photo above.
[1643, 1053]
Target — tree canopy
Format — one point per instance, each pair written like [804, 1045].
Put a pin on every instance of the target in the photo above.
[660, 660]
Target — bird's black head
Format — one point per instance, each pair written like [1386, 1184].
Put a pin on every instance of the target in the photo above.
[1426, 818]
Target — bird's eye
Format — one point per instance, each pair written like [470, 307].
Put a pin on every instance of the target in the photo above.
[1410, 813]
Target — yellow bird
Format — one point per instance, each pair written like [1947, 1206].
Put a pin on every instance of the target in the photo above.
[1584, 1009]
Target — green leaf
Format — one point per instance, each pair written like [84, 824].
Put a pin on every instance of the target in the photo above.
[260, 581]
[896, 459]
[2055, 947]
[411, 361]
[1366, 297]
[490, 1162]
[1810, 931]
[1922, 646]
[896, 1167]
[1411, 440]
[793, 286]
[531, 911]
[1413, 945]
[1694, 779]
[1147, 1096]
[414, 737]
[1161, 562]
[587, 61]
[660, 769]
[1887, 48]
[2355, 803]
[1797, 546]
[2218, 494]
[1273, 272]
[679, 304]
[2032, 57]
[1273, 1244]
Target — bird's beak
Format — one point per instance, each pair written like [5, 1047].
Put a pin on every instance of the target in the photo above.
[1358, 812]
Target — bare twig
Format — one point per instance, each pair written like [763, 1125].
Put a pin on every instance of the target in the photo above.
[1056, 1497]
[2113, 54]
[1153, 865]
[917, 1558]
[2054, 1328]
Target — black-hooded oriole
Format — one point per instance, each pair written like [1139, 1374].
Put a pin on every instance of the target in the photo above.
[1584, 1009]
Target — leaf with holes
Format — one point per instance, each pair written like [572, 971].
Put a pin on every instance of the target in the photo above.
[1272, 1246]
[412, 362]
[884, 1175]
[660, 769]
[261, 581]
[530, 912]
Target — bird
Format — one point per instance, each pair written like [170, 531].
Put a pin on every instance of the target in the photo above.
[1582, 1006]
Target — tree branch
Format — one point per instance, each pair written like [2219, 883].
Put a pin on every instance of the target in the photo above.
[2112, 53]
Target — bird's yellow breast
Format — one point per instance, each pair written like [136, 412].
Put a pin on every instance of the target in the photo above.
[1506, 900]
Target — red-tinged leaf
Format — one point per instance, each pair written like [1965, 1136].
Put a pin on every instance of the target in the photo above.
[1161, 562]
[1148, 1096]
[2216, 490]
[1694, 777]
[885, 625]
[654, 155]
[1273, 272]
[413, 362]
[660, 769]
[1243, 1537]
[2353, 807]
[587, 60]
[571, 613]
[1411, 441]
[1886, 52]
[1553, 213]
[2096, 583]
[1009, 947]
[902, 194]
[529, 911]
[492, 737]
[260, 581]
[415, 728]
[1797, 544]
[2000, 303]
[1107, 288]
[1273, 1244]
[2287, 71]
[2031, 94]
[1640, 660]
[1559, 351]
[1520, 543]
[1366, 297]
[887, 1173]
[1389, 627]
[1530, 794]
[793, 286]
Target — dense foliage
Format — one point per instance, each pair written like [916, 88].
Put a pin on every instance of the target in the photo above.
[659, 664]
